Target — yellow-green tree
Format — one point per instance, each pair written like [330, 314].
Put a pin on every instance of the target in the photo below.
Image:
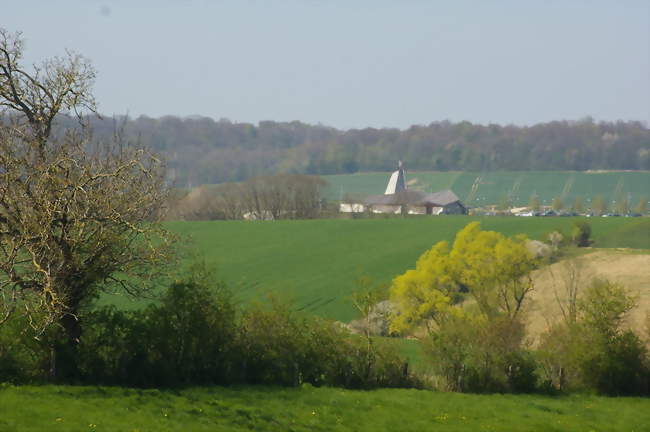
[425, 293]
[491, 269]
[470, 297]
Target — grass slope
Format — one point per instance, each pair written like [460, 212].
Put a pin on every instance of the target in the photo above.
[494, 186]
[56, 408]
[314, 263]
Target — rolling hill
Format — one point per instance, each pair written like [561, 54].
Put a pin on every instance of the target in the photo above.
[477, 189]
[314, 263]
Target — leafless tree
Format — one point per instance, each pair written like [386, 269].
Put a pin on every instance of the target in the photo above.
[59, 84]
[74, 223]
[230, 200]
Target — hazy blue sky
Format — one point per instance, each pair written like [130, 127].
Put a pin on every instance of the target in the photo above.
[354, 63]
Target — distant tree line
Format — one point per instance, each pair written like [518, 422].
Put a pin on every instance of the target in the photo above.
[273, 197]
[200, 150]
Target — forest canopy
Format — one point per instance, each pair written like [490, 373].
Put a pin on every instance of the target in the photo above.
[200, 150]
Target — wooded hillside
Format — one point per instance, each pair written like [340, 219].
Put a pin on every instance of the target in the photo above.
[200, 150]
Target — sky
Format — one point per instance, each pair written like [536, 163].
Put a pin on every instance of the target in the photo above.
[354, 63]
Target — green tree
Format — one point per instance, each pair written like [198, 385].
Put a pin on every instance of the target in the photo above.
[505, 202]
[598, 206]
[557, 204]
[534, 203]
[593, 349]
[578, 205]
[581, 234]
[623, 206]
[613, 359]
[642, 206]
[366, 300]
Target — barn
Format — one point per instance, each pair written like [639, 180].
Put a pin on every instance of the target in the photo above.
[416, 202]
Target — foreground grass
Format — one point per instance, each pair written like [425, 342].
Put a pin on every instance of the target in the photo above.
[63, 408]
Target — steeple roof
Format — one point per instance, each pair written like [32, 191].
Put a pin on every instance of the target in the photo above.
[397, 181]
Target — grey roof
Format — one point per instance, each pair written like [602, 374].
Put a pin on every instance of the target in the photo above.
[442, 198]
[413, 197]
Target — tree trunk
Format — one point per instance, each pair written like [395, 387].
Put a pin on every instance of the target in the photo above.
[64, 366]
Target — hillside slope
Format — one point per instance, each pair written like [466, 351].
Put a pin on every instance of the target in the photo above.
[314, 263]
[476, 188]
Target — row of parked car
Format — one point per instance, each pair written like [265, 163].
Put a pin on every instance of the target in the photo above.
[568, 214]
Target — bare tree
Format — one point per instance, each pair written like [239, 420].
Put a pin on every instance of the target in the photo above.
[73, 222]
[230, 200]
[59, 84]
[572, 270]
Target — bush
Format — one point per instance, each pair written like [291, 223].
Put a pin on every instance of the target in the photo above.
[23, 358]
[194, 336]
[581, 234]
[595, 353]
[185, 339]
[278, 346]
[618, 367]
[482, 356]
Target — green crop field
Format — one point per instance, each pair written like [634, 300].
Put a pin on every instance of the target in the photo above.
[55, 408]
[314, 263]
[477, 189]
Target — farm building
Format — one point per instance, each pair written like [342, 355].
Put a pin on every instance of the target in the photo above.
[398, 199]
[416, 202]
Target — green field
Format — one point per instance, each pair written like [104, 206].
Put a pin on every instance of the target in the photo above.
[314, 263]
[53, 408]
[492, 187]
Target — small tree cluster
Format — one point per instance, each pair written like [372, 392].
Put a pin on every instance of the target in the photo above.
[284, 196]
[591, 349]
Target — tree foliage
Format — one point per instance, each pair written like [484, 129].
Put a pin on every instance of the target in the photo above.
[205, 151]
[595, 350]
[581, 233]
[490, 269]
[470, 297]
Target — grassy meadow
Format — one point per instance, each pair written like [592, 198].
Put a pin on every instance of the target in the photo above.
[69, 408]
[314, 263]
[476, 189]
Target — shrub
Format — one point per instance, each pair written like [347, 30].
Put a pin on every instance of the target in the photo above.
[193, 336]
[617, 367]
[22, 356]
[185, 339]
[595, 353]
[581, 234]
[279, 346]
[478, 355]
